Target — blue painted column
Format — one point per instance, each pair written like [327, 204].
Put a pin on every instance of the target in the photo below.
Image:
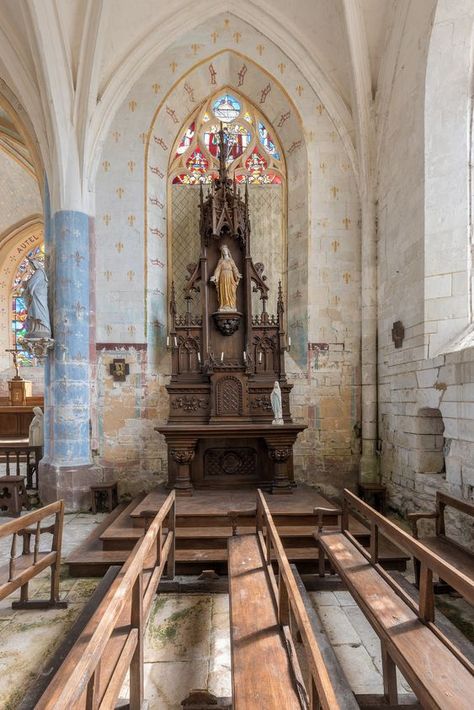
[67, 470]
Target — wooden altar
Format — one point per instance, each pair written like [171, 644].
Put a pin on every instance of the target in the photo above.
[226, 360]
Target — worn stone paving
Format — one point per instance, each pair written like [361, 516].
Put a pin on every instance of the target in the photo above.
[355, 643]
[27, 638]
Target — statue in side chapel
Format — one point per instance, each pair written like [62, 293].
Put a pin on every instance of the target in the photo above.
[36, 298]
[36, 431]
[226, 278]
[275, 399]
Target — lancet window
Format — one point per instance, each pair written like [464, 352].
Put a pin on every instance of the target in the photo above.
[254, 156]
[18, 306]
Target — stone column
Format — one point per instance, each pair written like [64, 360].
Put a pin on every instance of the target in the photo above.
[66, 470]
[369, 462]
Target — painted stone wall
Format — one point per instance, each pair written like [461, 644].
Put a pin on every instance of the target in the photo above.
[322, 273]
[426, 405]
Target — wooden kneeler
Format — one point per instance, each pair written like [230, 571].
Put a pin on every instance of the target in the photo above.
[28, 564]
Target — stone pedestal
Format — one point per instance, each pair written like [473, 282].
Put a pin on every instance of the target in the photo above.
[72, 484]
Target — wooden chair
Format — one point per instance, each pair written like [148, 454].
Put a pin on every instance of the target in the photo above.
[21, 459]
[23, 567]
[105, 494]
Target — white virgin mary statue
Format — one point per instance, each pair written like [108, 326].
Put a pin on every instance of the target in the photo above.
[36, 298]
[36, 431]
[275, 399]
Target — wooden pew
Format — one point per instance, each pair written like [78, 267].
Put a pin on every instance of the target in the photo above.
[111, 643]
[26, 565]
[439, 674]
[265, 669]
[440, 543]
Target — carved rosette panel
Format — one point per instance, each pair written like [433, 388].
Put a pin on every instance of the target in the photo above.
[229, 396]
[233, 462]
[182, 456]
[280, 455]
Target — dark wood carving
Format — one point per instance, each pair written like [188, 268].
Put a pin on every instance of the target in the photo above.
[225, 358]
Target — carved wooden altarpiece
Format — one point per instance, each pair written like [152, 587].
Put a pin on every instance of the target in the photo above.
[225, 360]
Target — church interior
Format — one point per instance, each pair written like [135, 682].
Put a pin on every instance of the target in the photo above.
[236, 354]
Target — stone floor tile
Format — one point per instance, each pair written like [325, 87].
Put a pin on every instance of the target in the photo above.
[179, 628]
[337, 626]
[82, 590]
[168, 684]
[220, 603]
[345, 598]
[359, 669]
[219, 683]
[26, 642]
[366, 632]
[324, 598]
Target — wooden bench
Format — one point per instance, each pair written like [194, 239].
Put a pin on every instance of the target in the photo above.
[440, 543]
[111, 643]
[26, 565]
[265, 669]
[439, 674]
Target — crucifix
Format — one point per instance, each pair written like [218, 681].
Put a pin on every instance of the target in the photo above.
[14, 353]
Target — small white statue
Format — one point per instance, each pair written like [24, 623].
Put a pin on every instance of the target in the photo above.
[275, 399]
[36, 431]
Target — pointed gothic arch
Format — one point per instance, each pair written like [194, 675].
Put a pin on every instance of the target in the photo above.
[255, 157]
[161, 136]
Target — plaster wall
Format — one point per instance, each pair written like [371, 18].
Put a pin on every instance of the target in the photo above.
[323, 259]
[409, 382]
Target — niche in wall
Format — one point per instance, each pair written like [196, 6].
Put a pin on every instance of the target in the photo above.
[430, 441]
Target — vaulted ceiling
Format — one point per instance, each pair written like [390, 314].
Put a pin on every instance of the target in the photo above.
[65, 60]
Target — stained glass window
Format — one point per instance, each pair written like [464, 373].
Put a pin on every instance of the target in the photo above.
[237, 138]
[18, 305]
[266, 141]
[185, 141]
[226, 108]
[197, 164]
[252, 151]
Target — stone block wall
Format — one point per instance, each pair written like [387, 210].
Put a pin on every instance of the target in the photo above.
[129, 411]
[426, 403]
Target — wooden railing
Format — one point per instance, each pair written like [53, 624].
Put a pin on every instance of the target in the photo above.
[92, 675]
[26, 565]
[290, 606]
[430, 562]
[20, 459]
